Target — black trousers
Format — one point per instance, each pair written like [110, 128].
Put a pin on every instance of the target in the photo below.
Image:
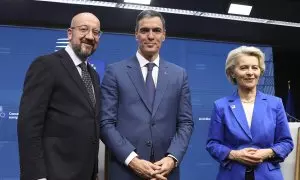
[249, 173]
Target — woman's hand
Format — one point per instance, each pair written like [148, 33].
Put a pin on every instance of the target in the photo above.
[246, 156]
[264, 153]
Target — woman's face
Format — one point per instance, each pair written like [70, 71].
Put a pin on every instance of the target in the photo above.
[247, 72]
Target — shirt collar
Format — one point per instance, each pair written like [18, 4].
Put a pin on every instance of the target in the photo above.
[143, 61]
[73, 56]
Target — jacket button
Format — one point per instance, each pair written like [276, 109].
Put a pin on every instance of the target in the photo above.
[149, 143]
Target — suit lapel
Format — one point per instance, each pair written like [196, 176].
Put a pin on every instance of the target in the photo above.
[259, 111]
[93, 74]
[136, 76]
[162, 83]
[238, 111]
[73, 72]
[97, 95]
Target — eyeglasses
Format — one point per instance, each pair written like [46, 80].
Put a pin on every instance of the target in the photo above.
[84, 30]
[147, 30]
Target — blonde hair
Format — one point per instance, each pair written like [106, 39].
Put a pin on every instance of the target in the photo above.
[233, 55]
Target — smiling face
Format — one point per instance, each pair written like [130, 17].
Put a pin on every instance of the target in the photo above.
[246, 72]
[150, 35]
[82, 37]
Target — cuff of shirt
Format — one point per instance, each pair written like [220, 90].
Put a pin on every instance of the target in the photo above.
[176, 163]
[170, 155]
[130, 157]
[42, 179]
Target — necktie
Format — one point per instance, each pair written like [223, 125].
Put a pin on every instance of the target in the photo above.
[87, 80]
[150, 83]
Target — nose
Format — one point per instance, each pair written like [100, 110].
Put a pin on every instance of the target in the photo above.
[249, 72]
[150, 34]
[89, 35]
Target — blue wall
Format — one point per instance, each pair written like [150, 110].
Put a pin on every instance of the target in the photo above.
[203, 60]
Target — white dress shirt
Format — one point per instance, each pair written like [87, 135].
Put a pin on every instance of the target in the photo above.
[248, 108]
[75, 59]
[77, 62]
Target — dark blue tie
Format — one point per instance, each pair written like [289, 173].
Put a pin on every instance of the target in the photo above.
[150, 84]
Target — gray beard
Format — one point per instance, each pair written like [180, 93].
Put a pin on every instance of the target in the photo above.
[82, 55]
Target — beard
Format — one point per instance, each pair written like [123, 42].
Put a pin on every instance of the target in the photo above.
[82, 53]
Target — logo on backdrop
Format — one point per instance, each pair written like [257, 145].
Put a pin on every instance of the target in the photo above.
[204, 118]
[2, 114]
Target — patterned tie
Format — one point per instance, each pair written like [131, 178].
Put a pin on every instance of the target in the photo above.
[150, 84]
[87, 80]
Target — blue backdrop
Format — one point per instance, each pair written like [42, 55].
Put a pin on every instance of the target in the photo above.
[203, 60]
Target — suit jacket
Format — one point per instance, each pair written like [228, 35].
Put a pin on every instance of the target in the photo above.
[129, 124]
[229, 130]
[58, 125]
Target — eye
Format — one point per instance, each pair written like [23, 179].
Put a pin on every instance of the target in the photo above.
[96, 32]
[157, 30]
[243, 67]
[144, 30]
[83, 28]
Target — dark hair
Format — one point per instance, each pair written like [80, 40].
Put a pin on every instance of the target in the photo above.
[149, 14]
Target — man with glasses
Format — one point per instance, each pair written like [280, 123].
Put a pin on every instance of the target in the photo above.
[58, 125]
[146, 117]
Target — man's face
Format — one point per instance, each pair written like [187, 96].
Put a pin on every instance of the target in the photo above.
[150, 35]
[84, 35]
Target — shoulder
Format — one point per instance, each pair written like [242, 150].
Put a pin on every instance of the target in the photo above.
[270, 97]
[50, 59]
[173, 66]
[223, 101]
[120, 64]
[273, 101]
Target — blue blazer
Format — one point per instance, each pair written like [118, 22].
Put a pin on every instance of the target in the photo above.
[229, 130]
[129, 124]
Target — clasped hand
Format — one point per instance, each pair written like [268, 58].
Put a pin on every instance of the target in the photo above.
[154, 171]
[250, 156]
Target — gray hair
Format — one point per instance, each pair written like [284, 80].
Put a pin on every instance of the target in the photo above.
[149, 14]
[233, 55]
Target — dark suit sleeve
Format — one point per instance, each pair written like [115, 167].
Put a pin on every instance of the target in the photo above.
[185, 122]
[111, 137]
[33, 109]
[283, 143]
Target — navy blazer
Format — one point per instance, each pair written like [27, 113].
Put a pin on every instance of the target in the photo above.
[129, 124]
[229, 130]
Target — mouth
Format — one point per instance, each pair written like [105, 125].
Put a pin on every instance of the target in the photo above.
[249, 80]
[87, 44]
[149, 44]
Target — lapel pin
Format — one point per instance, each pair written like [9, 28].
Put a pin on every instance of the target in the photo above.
[232, 106]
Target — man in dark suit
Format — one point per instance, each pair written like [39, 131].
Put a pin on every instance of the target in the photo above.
[59, 110]
[146, 109]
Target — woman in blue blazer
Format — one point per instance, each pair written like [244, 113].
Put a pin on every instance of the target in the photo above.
[249, 134]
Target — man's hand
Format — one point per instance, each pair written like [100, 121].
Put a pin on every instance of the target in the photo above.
[245, 156]
[144, 168]
[167, 164]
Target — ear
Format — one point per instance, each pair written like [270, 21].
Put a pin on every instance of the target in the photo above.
[69, 32]
[164, 36]
[232, 75]
[136, 36]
